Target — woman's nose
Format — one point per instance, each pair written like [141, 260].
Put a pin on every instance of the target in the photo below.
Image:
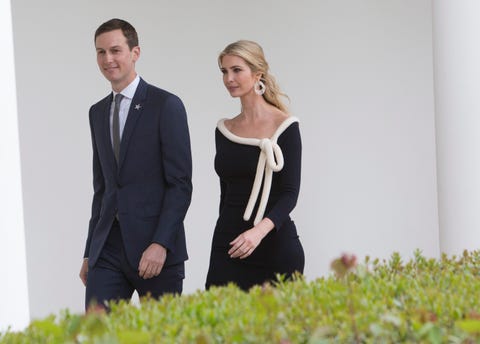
[229, 77]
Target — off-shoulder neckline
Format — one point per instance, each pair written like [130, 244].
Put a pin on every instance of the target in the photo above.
[253, 140]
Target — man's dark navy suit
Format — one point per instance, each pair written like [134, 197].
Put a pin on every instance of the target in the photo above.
[150, 188]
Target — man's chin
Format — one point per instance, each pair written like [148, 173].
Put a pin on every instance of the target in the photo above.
[111, 77]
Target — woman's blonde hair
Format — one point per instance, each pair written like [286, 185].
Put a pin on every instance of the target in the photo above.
[252, 54]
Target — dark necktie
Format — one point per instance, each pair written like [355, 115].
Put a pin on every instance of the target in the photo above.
[116, 126]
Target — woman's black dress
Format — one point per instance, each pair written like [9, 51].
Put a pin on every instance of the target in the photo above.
[280, 251]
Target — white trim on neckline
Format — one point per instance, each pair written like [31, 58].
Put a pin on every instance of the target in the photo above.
[269, 161]
[254, 141]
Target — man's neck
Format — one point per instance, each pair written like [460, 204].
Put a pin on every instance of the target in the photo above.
[120, 86]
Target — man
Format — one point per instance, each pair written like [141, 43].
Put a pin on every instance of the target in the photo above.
[141, 178]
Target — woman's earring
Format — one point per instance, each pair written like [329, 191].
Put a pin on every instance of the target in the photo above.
[259, 87]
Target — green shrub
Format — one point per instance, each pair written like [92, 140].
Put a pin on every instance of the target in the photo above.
[389, 301]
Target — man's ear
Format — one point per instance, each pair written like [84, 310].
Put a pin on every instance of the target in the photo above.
[136, 53]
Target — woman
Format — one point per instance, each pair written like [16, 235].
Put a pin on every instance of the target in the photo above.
[258, 160]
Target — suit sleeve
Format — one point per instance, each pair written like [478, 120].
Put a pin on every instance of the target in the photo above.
[98, 189]
[177, 162]
[289, 177]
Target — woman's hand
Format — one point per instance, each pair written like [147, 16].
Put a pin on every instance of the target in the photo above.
[247, 242]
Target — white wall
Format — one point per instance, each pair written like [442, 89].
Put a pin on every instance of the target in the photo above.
[359, 75]
[14, 309]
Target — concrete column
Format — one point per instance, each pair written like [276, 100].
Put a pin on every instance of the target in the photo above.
[14, 310]
[456, 53]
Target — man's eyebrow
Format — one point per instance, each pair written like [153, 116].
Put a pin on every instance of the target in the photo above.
[113, 47]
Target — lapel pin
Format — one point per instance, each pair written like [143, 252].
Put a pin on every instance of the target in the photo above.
[138, 107]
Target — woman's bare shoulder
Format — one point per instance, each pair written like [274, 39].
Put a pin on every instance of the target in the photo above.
[231, 122]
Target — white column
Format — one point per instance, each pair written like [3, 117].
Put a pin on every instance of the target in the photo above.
[456, 42]
[14, 310]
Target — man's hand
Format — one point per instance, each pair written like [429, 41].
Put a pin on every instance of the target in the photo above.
[152, 261]
[84, 271]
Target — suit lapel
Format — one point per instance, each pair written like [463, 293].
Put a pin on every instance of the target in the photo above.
[134, 113]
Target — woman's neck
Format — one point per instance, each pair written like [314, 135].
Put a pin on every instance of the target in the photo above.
[253, 108]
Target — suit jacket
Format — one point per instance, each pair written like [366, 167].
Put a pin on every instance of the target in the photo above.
[150, 188]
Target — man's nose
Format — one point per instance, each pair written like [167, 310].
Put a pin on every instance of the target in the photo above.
[108, 57]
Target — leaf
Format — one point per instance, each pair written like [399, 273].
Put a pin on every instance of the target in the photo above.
[134, 337]
[469, 325]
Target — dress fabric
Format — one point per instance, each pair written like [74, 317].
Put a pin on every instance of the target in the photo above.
[280, 252]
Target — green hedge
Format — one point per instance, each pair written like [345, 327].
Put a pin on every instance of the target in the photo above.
[390, 301]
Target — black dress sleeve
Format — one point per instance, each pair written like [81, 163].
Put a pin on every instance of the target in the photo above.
[222, 183]
[286, 183]
[222, 195]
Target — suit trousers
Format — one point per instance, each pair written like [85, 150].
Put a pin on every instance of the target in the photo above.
[113, 278]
